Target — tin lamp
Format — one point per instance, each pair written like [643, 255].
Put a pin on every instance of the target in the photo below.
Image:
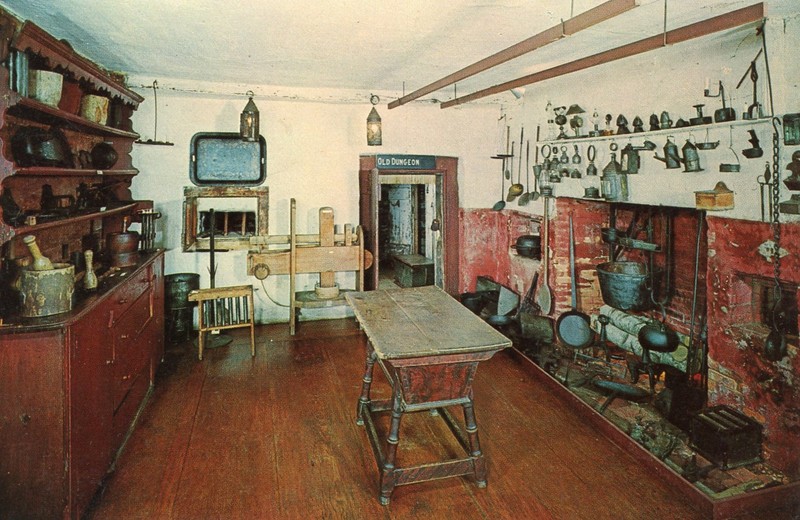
[374, 133]
[248, 120]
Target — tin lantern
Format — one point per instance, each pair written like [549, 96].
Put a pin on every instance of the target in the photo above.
[374, 131]
[249, 120]
[614, 181]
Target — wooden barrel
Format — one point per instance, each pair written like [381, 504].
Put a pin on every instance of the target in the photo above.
[49, 292]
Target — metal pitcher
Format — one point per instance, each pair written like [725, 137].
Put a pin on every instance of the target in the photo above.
[671, 156]
[691, 159]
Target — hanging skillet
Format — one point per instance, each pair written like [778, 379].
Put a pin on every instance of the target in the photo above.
[573, 326]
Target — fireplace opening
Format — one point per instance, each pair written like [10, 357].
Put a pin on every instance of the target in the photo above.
[778, 307]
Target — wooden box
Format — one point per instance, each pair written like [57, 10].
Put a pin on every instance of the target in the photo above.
[413, 270]
[726, 437]
[718, 199]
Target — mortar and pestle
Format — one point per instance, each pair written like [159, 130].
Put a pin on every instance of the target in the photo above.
[45, 287]
[123, 247]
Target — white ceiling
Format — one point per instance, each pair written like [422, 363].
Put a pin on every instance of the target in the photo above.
[380, 46]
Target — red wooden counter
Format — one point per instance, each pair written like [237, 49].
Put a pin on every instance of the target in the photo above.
[72, 385]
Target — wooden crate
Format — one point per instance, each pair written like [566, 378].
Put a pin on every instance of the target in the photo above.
[413, 270]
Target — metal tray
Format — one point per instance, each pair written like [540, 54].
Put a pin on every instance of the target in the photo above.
[223, 159]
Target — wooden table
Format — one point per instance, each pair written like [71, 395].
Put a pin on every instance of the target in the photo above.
[428, 346]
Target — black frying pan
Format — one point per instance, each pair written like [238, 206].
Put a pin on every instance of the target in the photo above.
[572, 326]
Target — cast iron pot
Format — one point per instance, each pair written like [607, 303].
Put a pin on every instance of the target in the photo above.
[625, 285]
[103, 156]
[529, 246]
[34, 146]
[473, 301]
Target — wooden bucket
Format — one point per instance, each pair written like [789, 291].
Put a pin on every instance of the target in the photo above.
[49, 292]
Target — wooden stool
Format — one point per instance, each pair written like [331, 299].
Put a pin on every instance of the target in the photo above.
[224, 308]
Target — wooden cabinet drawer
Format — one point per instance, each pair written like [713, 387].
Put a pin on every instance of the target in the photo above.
[131, 349]
[128, 292]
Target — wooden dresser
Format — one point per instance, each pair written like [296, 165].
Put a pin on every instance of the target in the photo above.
[72, 385]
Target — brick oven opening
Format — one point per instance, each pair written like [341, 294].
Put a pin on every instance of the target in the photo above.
[227, 224]
[240, 214]
[760, 299]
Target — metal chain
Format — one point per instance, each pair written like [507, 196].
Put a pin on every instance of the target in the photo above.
[776, 194]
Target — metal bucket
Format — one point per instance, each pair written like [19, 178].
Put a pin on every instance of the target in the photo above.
[178, 310]
[625, 285]
[177, 288]
[48, 292]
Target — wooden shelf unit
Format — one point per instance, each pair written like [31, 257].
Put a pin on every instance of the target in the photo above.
[73, 382]
[80, 77]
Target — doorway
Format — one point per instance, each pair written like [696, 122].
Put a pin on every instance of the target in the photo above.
[409, 206]
[407, 232]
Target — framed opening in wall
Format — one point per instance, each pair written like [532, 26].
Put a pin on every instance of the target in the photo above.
[239, 214]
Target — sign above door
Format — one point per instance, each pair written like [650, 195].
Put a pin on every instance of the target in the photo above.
[406, 162]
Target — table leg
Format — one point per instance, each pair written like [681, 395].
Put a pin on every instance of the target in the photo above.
[388, 477]
[366, 383]
[474, 444]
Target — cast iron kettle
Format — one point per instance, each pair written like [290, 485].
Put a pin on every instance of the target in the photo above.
[658, 337]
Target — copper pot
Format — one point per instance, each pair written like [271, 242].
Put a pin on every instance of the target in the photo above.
[126, 242]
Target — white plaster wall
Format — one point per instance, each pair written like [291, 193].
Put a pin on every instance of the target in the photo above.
[314, 144]
[673, 79]
[312, 156]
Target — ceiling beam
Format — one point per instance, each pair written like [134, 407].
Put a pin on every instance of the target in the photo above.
[722, 22]
[602, 12]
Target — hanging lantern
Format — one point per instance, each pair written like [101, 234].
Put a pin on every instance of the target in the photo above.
[248, 121]
[374, 133]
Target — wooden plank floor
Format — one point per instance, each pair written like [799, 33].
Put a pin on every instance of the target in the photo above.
[275, 437]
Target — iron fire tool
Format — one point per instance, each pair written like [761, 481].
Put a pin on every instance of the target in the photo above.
[765, 187]
[724, 114]
[754, 111]
[217, 340]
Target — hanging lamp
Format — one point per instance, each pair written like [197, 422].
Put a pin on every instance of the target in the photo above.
[248, 121]
[374, 131]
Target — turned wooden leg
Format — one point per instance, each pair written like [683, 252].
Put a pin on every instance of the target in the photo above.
[474, 444]
[366, 383]
[387, 473]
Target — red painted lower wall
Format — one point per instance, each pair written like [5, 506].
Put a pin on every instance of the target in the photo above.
[487, 237]
[739, 373]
